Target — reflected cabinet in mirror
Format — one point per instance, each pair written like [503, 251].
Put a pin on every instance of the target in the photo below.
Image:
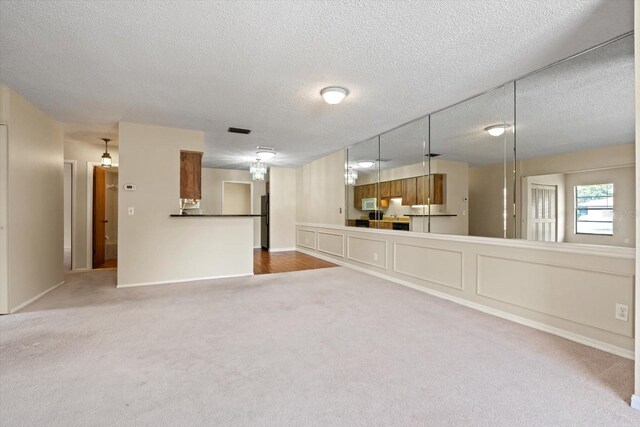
[548, 157]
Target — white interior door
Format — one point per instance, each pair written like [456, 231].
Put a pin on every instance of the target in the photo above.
[4, 174]
[543, 213]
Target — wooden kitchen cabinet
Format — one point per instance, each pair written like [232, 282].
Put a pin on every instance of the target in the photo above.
[395, 188]
[191, 175]
[385, 189]
[437, 188]
[409, 195]
[357, 196]
[422, 191]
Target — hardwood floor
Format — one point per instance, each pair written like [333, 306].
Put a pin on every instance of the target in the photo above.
[265, 262]
[109, 263]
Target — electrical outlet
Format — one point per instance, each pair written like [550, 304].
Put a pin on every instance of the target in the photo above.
[622, 312]
[131, 211]
[375, 257]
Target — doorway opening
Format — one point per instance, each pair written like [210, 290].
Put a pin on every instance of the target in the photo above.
[69, 214]
[105, 217]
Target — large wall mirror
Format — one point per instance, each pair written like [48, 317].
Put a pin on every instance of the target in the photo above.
[548, 157]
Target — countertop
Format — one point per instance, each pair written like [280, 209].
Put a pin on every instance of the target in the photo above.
[435, 214]
[216, 216]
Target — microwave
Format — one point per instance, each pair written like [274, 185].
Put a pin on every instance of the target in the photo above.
[369, 204]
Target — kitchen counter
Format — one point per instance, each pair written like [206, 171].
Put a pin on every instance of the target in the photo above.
[433, 214]
[216, 215]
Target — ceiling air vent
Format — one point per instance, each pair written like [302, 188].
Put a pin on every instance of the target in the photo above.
[239, 130]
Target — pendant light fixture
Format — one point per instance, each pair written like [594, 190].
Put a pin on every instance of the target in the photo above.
[350, 176]
[106, 157]
[258, 170]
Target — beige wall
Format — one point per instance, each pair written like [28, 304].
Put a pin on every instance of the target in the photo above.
[84, 153]
[154, 248]
[320, 191]
[282, 209]
[576, 299]
[236, 198]
[485, 202]
[211, 202]
[68, 169]
[636, 36]
[35, 217]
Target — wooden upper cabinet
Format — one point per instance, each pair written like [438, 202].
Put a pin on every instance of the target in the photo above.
[370, 191]
[191, 175]
[409, 194]
[395, 188]
[422, 191]
[357, 196]
[437, 189]
[385, 189]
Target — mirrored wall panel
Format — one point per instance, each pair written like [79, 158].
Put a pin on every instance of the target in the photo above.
[472, 146]
[361, 181]
[549, 157]
[576, 148]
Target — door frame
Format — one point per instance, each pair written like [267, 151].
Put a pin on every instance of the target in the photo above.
[90, 166]
[237, 182]
[4, 206]
[74, 219]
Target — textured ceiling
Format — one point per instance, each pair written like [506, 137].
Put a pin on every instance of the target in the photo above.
[261, 64]
[583, 103]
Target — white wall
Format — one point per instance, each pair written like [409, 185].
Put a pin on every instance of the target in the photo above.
[282, 209]
[35, 216]
[84, 153]
[211, 202]
[154, 248]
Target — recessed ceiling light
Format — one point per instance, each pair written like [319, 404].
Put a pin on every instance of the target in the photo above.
[497, 130]
[333, 95]
[365, 163]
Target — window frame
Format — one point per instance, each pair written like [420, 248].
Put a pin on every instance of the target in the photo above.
[607, 208]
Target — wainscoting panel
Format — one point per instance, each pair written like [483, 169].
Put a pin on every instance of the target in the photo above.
[367, 251]
[578, 294]
[439, 266]
[307, 239]
[331, 243]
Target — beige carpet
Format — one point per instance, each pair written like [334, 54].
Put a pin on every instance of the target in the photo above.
[329, 347]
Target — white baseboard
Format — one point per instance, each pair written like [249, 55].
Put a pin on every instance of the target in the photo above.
[635, 401]
[37, 297]
[609, 348]
[197, 279]
[282, 249]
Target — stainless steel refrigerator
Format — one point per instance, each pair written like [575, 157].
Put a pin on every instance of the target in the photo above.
[264, 223]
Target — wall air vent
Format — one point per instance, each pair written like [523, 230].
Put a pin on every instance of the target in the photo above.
[239, 130]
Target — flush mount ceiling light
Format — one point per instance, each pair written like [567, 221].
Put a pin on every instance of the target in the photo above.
[365, 164]
[106, 157]
[497, 130]
[333, 95]
[265, 153]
